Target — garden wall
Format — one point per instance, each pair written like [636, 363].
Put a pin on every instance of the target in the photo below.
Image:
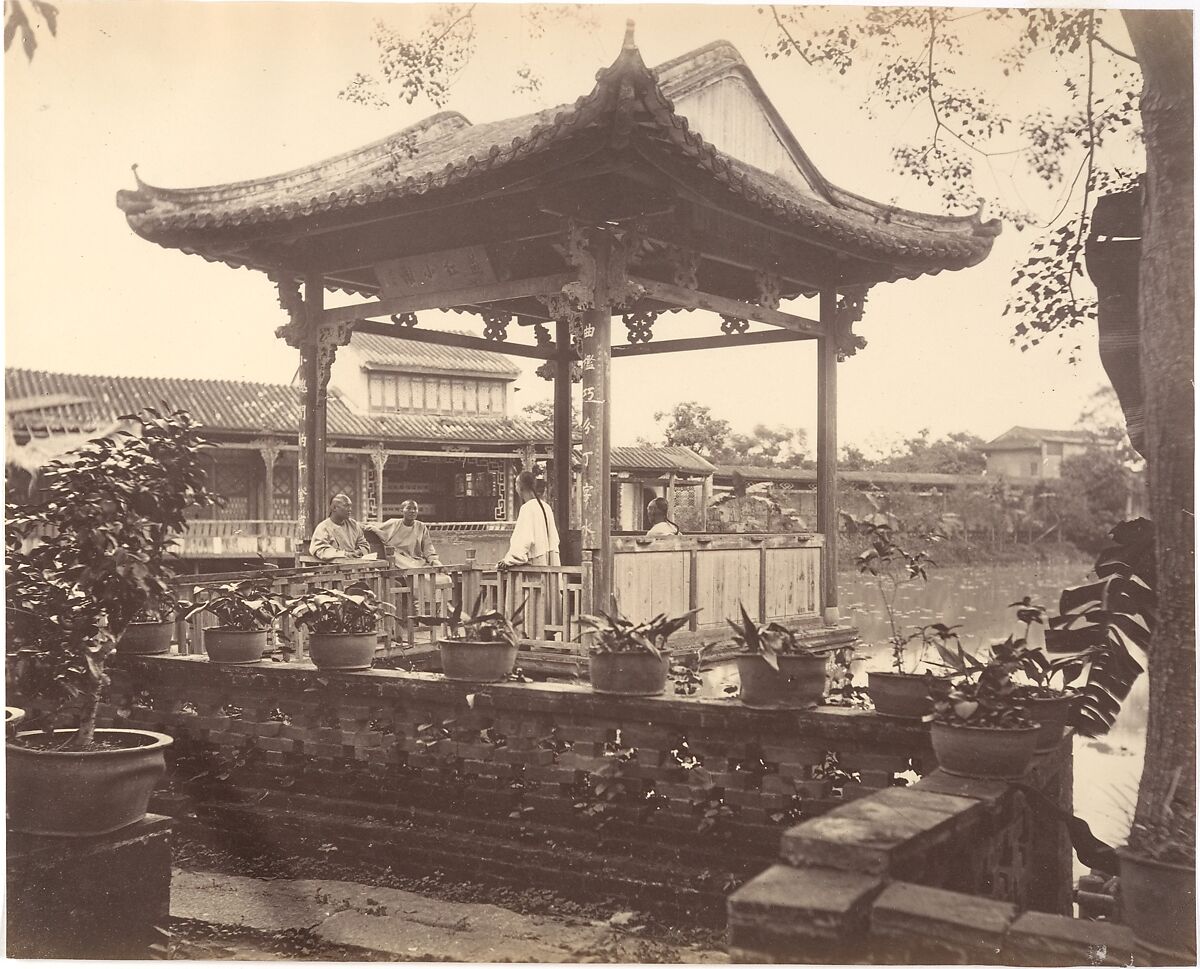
[663, 801]
[947, 871]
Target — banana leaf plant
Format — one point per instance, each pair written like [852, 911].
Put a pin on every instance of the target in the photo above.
[1106, 624]
[355, 609]
[771, 640]
[616, 634]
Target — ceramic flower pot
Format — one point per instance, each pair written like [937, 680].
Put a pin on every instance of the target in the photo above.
[985, 753]
[1158, 902]
[798, 684]
[342, 651]
[1055, 714]
[629, 674]
[237, 647]
[147, 638]
[78, 793]
[12, 717]
[908, 695]
[476, 662]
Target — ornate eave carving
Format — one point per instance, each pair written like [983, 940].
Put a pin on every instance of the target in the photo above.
[849, 311]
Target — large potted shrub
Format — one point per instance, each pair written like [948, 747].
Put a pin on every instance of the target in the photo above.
[982, 729]
[106, 513]
[245, 612]
[631, 659]
[343, 625]
[482, 647]
[777, 671]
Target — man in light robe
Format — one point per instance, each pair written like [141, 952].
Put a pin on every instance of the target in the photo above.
[408, 540]
[535, 536]
[658, 515]
[339, 536]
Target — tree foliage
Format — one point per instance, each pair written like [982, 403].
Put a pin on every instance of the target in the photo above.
[17, 22]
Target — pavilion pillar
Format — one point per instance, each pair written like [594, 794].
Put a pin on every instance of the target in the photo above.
[269, 450]
[596, 518]
[827, 478]
[562, 427]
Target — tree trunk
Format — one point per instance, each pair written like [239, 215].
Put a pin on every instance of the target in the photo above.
[1163, 43]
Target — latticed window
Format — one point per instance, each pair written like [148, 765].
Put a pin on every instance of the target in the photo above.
[283, 505]
[233, 481]
[429, 394]
[343, 481]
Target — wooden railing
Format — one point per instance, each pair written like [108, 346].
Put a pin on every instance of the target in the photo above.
[554, 598]
[776, 577]
[237, 538]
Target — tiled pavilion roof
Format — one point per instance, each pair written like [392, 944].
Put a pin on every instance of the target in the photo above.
[446, 151]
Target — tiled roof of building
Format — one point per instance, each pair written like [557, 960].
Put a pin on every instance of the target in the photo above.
[237, 407]
[387, 352]
[669, 458]
[1019, 438]
[446, 150]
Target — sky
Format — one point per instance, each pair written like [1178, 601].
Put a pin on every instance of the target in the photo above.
[207, 93]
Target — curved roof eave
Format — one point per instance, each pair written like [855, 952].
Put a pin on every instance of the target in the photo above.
[912, 243]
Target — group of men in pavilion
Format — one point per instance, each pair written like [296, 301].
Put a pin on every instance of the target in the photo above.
[410, 546]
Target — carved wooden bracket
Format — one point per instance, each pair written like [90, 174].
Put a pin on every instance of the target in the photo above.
[404, 319]
[329, 338]
[768, 289]
[733, 324]
[639, 324]
[270, 449]
[288, 294]
[379, 457]
[622, 293]
[686, 265]
[849, 311]
[495, 326]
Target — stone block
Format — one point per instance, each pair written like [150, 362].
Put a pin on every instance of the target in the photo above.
[940, 782]
[89, 898]
[872, 834]
[917, 924]
[1041, 939]
[802, 914]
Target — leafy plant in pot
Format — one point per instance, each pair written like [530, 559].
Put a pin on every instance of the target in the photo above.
[245, 612]
[482, 646]
[107, 512]
[150, 632]
[982, 729]
[343, 625]
[907, 690]
[631, 659]
[776, 671]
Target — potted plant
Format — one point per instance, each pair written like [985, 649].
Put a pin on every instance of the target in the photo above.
[981, 729]
[909, 688]
[150, 632]
[775, 670]
[343, 625]
[106, 512]
[482, 647]
[630, 659]
[245, 611]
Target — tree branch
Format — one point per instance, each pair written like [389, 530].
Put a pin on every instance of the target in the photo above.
[1120, 53]
[788, 34]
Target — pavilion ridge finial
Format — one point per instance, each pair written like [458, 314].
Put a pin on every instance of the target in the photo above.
[630, 43]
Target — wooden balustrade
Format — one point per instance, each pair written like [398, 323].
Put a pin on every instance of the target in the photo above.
[776, 577]
[554, 598]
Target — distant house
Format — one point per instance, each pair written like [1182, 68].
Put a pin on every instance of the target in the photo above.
[406, 420]
[1031, 452]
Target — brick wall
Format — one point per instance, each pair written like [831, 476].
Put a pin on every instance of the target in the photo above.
[947, 871]
[672, 785]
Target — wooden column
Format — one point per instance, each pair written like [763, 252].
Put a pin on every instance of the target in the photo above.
[827, 480]
[706, 496]
[305, 522]
[379, 460]
[596, 520]
[269, 451]
[562, 427]
[315, 401]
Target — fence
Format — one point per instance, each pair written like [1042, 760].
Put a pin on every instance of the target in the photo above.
[553, 598]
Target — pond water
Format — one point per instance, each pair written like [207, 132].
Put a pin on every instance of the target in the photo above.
[1107, 769]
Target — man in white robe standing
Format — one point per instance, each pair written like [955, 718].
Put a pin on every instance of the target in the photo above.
[535, 536]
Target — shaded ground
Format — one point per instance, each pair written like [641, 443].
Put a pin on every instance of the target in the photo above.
[227, 906]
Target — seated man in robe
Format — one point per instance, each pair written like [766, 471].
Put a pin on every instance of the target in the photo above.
[407, 539]
[339, 536]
